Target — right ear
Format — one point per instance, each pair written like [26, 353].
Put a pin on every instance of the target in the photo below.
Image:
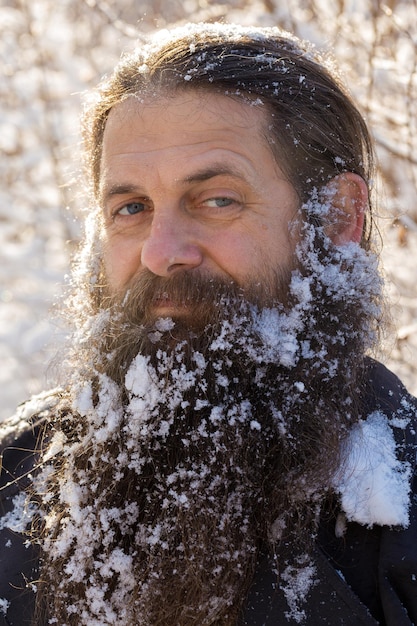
[349, 200]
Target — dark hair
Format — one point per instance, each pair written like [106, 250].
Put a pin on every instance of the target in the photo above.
[315, 130]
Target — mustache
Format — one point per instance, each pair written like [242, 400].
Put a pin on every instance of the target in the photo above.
[198, 292]
[195, 291]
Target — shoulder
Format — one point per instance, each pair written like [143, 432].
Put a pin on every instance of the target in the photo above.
[375, 479]
[20, 442]
[19, 445]
[386, 392]
[21, 438]
[318, 595]
[372, 540]
[28, 417]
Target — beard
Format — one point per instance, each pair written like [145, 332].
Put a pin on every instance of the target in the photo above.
[202, 307]
[191, 443]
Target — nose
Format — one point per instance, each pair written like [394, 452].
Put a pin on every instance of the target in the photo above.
[170, 247]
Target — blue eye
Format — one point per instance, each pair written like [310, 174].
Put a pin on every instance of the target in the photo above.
[132, 208]
[219, 202]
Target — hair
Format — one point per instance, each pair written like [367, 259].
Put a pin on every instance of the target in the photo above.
[314, 128]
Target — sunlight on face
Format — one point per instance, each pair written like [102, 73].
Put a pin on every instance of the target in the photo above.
[189, 182]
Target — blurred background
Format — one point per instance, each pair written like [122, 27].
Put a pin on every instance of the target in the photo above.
[52, 52]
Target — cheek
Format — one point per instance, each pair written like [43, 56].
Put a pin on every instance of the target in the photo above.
[241, 255]
[121, 261]
[277, 240]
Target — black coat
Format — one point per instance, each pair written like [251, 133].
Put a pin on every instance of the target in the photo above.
[365, 577]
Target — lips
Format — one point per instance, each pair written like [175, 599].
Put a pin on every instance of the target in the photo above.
[166, 302]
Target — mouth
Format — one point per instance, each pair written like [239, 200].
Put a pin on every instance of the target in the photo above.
[164, 304]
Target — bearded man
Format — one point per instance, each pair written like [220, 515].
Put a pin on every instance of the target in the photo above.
[222, 449]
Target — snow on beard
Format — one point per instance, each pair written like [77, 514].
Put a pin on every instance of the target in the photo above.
[157, 491]
[168, 481]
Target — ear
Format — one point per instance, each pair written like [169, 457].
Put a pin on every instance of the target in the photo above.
[348, 197]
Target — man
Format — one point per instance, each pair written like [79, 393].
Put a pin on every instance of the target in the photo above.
[223, 449]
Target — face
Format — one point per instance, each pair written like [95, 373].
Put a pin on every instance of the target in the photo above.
[189, 183]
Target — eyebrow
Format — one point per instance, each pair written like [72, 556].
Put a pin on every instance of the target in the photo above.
[211, 172]
[119, 189]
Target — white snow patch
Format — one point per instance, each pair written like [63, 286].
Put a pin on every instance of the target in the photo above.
[373, 484]
[20, 517]
[4, 605]
[139, 382]
[164, 324]
[296, 586]
[84, 399]
[56, 445]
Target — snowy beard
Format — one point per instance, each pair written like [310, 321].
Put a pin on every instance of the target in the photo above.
[182, 455]
[130, 326]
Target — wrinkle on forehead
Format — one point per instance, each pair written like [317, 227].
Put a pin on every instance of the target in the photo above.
[184, 127]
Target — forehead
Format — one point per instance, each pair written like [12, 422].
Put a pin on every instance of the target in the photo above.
[174, 134]
[185, 117]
